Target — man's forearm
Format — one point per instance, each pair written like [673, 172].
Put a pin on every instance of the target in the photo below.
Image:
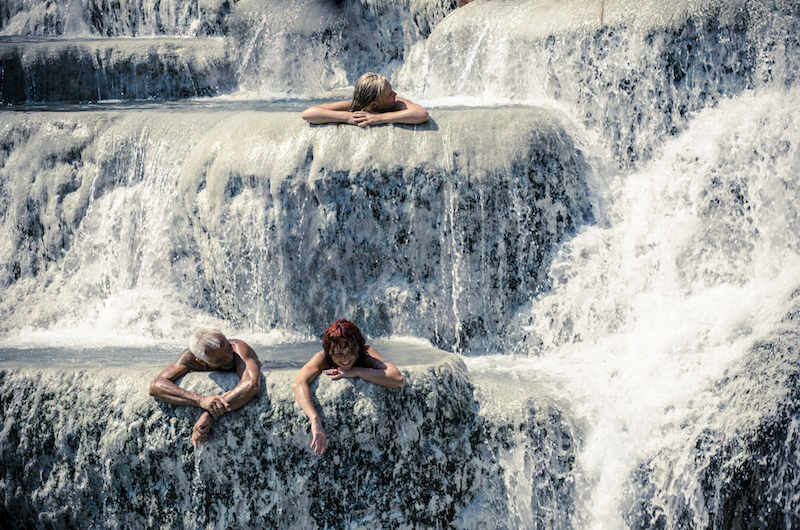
[168, 392]
[242, 393]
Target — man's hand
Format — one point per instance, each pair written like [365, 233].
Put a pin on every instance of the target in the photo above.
[201, 429]
[215, 405]
[319, 441]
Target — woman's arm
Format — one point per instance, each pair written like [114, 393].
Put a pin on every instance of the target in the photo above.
[404, 111]
[302, 393]
[329, 113]
[378, 370]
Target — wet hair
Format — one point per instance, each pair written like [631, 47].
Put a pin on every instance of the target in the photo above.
[204, 339]
[343, 331]
[369, 88]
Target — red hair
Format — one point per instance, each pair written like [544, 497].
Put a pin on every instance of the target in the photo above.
[343, 331]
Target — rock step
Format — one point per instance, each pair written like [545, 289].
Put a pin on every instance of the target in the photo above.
[36, 70]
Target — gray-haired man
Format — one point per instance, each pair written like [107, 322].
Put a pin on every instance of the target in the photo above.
[210, 350]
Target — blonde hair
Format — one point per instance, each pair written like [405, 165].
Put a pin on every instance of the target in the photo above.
[369, 88]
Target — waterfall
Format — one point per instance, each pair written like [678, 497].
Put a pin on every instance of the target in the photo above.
[595, 241]
[304, 231]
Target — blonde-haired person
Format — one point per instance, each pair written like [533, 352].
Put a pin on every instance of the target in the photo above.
[374, 102]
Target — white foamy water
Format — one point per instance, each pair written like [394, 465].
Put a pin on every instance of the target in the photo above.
[646, 315]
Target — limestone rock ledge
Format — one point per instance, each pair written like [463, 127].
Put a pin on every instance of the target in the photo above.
[90, 447]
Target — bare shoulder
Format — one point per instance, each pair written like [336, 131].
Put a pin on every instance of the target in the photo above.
[372, 352]
[317, 363]
[401, 104]
[245, 352]
[312, 368]
[415, 113]
[406, 103]
[243, 349]
[375, 359]
[318, 360]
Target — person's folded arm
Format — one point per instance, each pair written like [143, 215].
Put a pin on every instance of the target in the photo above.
[164, 388]
[336, 112]
[406, 112]
[412, 113]
[379, 371]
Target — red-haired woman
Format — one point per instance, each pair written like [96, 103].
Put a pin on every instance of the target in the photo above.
[344, 354]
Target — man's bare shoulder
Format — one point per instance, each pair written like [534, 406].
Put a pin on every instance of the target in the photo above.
[244, 351]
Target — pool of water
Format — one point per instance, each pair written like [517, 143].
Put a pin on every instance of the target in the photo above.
[190, 105]
[285, 356]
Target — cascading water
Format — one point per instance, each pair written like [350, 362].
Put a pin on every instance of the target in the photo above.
[600, 223]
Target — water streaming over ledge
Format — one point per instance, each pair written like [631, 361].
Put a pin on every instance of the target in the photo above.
[599, 222]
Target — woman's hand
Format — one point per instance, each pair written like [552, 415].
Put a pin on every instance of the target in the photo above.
[318, 439]
[338, 373]
[365, 119]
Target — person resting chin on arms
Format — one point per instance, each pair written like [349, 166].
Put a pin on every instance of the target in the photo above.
[344, 355]
[374, 102]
